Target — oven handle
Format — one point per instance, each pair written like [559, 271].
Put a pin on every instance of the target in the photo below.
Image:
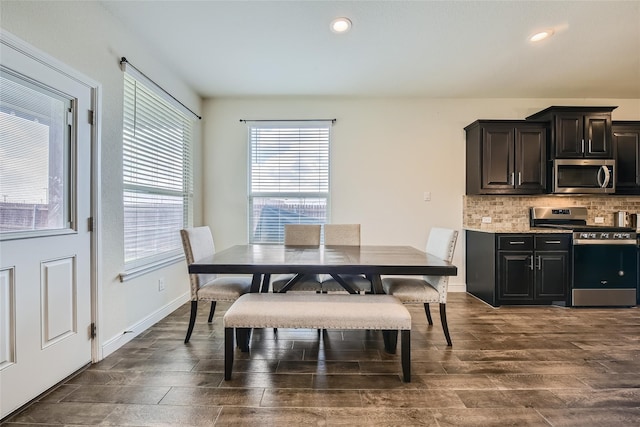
[607, 176]
[603, 242]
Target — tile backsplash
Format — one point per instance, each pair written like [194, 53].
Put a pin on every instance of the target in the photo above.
[511, 213]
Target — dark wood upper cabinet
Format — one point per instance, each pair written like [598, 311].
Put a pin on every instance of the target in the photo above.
[506, 157]
[626, 148]
[578, 132]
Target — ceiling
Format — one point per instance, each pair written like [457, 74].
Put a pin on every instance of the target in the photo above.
[459, 49]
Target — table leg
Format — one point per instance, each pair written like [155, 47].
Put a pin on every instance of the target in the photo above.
[255, 282]
[376, 284]
[344, 284]
[243, 336]
[295, 279]
[266, 278]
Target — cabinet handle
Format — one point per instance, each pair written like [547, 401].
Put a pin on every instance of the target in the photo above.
[531, 263]
[554, 242]
[539, 262]
[512, 178]
[519, 178]
[589, 145]
[582, 145]
[516, 243]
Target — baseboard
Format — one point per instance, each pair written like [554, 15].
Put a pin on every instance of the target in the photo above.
[130, 333]
[457, 287]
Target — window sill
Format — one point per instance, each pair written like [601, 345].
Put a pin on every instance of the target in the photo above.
[142, 270]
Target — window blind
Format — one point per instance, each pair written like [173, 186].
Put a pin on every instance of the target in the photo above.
[289, 177]
[157, 177]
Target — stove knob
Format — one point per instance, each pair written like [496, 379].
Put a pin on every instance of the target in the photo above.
[621, 273]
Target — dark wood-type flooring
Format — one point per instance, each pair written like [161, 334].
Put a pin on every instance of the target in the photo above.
[523, 366]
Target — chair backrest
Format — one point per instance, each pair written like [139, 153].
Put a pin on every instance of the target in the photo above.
[302, 234]
[197, 243]
[342, 234]
[441, 243]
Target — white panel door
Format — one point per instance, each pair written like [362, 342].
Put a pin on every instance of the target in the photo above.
[45, 242]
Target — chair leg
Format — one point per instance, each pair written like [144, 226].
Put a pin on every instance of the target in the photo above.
[428, 311]
[228, 353]
[213, 310]
[192, 320]
[405, 345]
[443, 319]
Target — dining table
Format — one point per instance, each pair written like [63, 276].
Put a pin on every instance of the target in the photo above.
[373, 261]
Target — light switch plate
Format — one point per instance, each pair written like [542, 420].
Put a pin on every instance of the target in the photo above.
[599, 220]
[486, 220]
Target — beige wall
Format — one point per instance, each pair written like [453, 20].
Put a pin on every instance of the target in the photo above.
[385, 153]
[87, 38]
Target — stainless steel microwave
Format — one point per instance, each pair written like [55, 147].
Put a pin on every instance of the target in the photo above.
[584, 176]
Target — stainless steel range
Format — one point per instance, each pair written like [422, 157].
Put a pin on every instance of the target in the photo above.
[604, 266]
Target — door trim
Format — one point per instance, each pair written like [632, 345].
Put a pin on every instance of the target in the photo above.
[13, 42]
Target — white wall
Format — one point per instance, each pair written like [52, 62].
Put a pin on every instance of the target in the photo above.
[86, 37]
[385, 153]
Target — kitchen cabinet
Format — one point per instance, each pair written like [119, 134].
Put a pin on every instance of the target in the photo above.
[518, 268]
[626, 149]
[506, 157]
[578, 132]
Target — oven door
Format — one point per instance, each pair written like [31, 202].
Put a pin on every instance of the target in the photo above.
[604, 275]
[583, 176]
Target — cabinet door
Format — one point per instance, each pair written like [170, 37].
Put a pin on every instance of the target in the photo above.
[597, 135]
[497, 157]
[515, 276]
[530, 163]
[552, 275]
[569, 135]
[626, 143]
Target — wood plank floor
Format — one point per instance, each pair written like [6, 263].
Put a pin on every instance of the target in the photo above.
[521, 366]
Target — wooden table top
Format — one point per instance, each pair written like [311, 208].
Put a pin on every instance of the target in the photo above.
[280, 259]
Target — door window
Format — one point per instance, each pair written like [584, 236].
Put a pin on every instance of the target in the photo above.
[35, 141]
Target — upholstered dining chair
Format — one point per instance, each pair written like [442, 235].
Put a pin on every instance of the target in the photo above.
[427, 289]
[300, 235]
[197, 243]
[344, 235]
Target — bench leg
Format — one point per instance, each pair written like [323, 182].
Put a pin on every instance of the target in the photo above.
[228, 353]
[390, 341]
[405, 344]
[243, 336]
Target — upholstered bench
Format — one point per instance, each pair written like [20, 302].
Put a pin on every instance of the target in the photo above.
[318, 311]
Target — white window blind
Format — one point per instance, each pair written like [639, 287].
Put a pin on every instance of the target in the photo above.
[289, 177]
[158, 187]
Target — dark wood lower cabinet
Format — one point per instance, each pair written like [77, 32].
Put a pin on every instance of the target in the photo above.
[518, 268]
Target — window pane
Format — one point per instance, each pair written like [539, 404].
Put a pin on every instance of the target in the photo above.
[157, 175]
[270, 214]
[289, 177]
[33, 132]
[151, 222]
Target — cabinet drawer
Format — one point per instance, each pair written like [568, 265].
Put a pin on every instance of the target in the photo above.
[556, 242]
[515, 242]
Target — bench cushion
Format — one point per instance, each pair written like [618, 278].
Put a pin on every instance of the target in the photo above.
[317, 311]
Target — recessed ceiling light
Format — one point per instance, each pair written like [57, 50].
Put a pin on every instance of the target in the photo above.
[341, 25]
[541, 35]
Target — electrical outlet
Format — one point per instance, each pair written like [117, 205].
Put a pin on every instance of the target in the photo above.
[486, 220]
[161, 284]
[427, 196]
[599, 220]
